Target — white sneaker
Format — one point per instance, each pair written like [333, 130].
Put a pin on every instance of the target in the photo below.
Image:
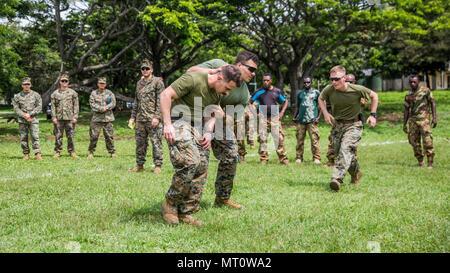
[298, 161]
[316, 161]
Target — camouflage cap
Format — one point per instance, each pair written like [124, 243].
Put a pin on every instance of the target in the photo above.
[101, 80]
[146, 63]
[26, 80]
[64, 77]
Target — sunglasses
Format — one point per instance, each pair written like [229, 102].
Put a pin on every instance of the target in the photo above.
[26, 83]
[145, 68]
[306, 82]
[335, 79]
[250, 68]
[64, 81]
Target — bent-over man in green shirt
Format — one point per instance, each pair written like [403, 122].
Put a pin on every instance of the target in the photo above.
[191, 95]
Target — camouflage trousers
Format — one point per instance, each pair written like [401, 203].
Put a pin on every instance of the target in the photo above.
[251, 123]
[143, 131]
[190, 162]
[226, 151]
[314, 135]
[33, 128]
[108, 133]
[330, 155]
[58, 129]
[346, 137]
[420, 129]
[272, 126]
[239, 131]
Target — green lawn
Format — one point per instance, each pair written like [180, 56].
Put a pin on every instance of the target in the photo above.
[71, 205]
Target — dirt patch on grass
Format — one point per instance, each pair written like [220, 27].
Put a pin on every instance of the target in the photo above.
[393, 118]
[10, 138]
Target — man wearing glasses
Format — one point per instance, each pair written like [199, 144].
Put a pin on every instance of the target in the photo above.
[349, 78]
[27, 105]
[102, 102]
[345, 100]
[225, 146]
[65, 110]
[147, 115]
[307, 116]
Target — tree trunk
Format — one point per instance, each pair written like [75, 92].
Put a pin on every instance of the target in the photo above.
[293, 79]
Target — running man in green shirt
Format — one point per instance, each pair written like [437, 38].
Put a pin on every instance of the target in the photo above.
[345, 100]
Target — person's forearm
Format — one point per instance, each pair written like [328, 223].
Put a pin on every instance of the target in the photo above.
[323, 107]
[433, 109]
[166, 104]
[405, 116]
[209, 124]
[374, 98]
[285, 105]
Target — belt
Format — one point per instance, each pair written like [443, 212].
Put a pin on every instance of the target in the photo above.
[347, 121]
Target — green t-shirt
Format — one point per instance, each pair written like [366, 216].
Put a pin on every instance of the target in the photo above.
[345, 105]
[240, 95]
[193, 91]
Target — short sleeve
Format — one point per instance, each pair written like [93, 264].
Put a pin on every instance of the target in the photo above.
[326, 93]
[213, 64]
[183, 85]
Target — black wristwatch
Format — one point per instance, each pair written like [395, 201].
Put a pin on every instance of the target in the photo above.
[373, 114]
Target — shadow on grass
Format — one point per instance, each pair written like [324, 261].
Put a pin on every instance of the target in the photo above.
[153, 214]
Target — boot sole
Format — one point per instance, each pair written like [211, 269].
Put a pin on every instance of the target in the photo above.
[334, 185]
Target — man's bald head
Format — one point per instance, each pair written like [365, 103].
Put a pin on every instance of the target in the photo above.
[350, 78]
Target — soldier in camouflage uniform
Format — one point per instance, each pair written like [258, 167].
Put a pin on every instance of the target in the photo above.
[147, 115]
[345, 99]
[307, 116]
[188, 146]
[251, 124]
[228, 145]
[65, 110]
[102, 102]
[417, 110]
[27, 105]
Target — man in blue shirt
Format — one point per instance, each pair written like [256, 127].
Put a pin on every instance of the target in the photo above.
[307, 116]
[268, 99]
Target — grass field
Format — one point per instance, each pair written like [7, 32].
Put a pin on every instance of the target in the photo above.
[81, 205]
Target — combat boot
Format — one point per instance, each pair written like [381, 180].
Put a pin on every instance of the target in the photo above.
[38, 156]
[57, 155]
[298, 161]
[157, 170]
[188, 219]
[26, 157]
[227, 202]
[73, 155]
[430, 162]
[242, 159]
[170, 213]
[329, 164]
[285, 162]
[355, 179]
[316, 161]
[91, 155]
[264, 162]
[421, 163]
[113, 155]
[335, 185]
[138, 168]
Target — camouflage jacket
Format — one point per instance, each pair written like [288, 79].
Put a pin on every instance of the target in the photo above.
[419, 103]
[27, 103]
[65, 104]
[100, 100]
[147, 101]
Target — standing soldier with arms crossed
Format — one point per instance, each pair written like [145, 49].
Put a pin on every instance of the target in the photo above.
[27, 105]
[147, 115]
[102, 102]
[417, 110]
[65, 110]
[345, 100]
